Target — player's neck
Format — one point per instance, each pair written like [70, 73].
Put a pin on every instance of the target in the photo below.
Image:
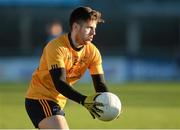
[74, 44]
[75, 41]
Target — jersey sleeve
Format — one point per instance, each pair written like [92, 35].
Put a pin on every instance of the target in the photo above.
[54, 56]
[96, 63]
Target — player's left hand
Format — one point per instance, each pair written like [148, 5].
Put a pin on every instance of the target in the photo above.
[92, 105]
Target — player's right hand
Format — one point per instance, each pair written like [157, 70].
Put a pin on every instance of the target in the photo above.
[92, 105]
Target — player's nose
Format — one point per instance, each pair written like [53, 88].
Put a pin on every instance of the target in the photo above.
[93, 31]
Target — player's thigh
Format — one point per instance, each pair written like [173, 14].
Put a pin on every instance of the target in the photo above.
[54, 122]
[45, 109]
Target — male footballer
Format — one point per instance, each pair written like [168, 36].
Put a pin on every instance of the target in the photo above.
[63, 62]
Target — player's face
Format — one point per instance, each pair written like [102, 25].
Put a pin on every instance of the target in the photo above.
[86, 32]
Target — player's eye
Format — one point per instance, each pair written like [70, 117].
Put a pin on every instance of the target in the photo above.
[88, 28]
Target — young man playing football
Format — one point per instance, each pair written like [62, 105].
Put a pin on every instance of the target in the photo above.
[63, 62]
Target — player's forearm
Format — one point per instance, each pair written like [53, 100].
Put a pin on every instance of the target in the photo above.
[69, 92]
[99, 83]
[65, 89]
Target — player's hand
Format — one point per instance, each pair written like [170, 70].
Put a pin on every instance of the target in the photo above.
[92, 105]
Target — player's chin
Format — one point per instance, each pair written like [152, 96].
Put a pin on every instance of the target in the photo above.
[87, 42]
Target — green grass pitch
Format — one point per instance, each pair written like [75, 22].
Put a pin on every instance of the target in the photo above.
[145, 105]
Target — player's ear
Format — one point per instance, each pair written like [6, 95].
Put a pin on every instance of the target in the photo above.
[75, 26]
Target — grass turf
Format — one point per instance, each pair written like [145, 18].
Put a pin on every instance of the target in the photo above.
[145, 105]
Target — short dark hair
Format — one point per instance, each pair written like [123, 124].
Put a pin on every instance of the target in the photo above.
[84, 14]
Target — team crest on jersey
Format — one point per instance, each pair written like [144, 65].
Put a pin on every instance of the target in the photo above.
[77, 69]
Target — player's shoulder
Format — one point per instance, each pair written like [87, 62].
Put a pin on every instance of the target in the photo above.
[92, 48]
[59, 42]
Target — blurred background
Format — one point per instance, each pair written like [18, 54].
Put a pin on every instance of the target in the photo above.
[140, 37]
[139, 42]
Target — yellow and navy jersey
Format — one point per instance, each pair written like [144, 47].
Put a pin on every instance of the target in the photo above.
[59, 53]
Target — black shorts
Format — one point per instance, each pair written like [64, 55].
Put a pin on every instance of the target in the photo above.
[40, 109]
